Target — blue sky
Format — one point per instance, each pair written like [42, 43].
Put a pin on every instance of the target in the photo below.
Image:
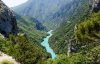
[12, 3]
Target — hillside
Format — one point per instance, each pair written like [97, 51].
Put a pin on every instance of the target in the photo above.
[31, 27]
[59, 41]
[54, 21]
[20, 37]
[48, 12]
[73, 35]
[78, 41]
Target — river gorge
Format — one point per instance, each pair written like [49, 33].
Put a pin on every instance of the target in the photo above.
[45, 44]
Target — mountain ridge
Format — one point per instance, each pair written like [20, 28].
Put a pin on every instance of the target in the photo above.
[42, 10]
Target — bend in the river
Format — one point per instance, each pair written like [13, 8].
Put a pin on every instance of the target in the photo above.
[47, 46]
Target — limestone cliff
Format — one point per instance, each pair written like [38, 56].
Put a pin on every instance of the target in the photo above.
[95, 5]
[8, 24]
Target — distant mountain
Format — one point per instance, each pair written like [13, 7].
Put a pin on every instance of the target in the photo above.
[45, 11]
[61, 15]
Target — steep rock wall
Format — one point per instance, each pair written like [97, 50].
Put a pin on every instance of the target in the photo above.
[8, 23]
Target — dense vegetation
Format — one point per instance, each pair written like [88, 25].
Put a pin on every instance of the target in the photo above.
[27, 25]
[22, 50]
[81, 29]
[91, 57]
[87, 36]
[64, 34]
[89, 30]
[25, 47]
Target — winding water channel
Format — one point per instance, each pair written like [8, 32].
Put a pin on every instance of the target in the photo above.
[45, 43]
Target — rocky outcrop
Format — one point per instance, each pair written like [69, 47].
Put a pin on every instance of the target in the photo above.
[95, 5]
[8, 23]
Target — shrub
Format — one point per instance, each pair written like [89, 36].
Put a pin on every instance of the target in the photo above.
[89, 30]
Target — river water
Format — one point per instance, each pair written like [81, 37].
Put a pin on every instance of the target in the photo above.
[45, 43]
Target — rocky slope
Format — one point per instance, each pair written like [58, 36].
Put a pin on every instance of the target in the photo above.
[61, 15]
[27, 28]
[40, 9]
[95, 5]
[8, 23]
[36, 24]
[47, 12]
[65, 33]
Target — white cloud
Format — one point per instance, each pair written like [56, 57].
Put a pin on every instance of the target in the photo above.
[12, 3]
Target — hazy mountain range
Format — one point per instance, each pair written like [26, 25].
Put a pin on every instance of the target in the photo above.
[45, 11]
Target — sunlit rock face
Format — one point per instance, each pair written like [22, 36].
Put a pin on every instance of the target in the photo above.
[6, 59]
[8, 23]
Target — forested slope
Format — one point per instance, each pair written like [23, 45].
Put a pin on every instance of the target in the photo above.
[62, 35]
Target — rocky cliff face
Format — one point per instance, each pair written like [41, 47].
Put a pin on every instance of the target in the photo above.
[8, 23]
[48, 12]
[95, 5]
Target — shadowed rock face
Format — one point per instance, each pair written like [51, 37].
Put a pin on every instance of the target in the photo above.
[95, 4]
[8, 23]
[97, 7]
[40, 9]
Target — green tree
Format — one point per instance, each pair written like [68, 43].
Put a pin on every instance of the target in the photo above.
[89, 30]
[22, 50]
